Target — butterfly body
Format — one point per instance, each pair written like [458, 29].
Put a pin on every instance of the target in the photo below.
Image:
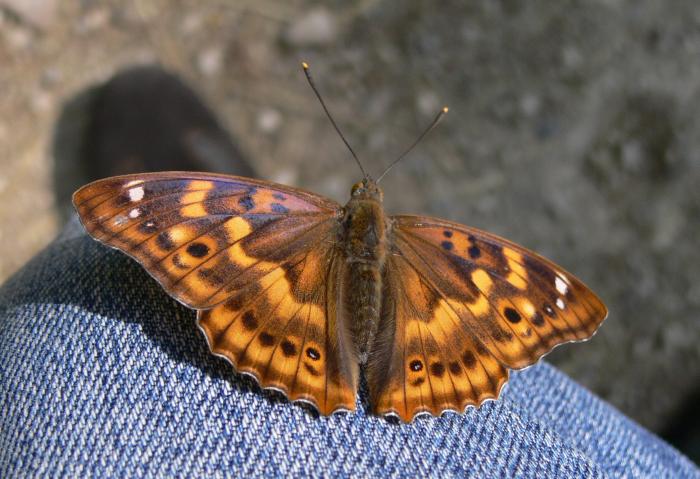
[365, 239]
[299, 292]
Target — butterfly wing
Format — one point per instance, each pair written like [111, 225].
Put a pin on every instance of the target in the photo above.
[259, 260]
[461, 306]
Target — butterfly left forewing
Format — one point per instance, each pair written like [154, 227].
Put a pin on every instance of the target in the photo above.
[202, 235]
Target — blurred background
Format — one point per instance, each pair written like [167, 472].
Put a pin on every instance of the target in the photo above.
[573, 129]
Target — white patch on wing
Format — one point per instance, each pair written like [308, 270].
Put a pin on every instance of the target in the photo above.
[133, 183]
[560, 304]
[136, 194]
[560, 285]
[120, 220]
[134, 213]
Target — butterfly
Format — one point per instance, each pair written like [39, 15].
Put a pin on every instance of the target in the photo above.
[303, 293]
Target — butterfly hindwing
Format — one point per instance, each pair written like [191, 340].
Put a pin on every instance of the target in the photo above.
[463, 295]
[285, 330]
[424, 360]
[259, 261]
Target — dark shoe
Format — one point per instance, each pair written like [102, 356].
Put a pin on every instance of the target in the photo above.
[143, 119]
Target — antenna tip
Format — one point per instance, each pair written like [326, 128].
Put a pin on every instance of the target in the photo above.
[305, 65]
[445, 109]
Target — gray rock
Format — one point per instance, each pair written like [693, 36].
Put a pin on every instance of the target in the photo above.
[317, 27]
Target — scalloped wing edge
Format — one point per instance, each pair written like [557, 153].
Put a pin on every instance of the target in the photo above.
[305, 400]
[428, 413]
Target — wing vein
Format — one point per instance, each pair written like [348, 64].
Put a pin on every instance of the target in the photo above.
[500, 277]
[253, 301]
[460, 327]
[419, 256]
[234, 277]
[258, 330]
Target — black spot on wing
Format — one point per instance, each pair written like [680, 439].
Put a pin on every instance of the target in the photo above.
[164, 241]
[246, 202]
[549, 310]
[512, 315]
[266, 339]
[498, 334]
[537, 319]
[469, 359]
[288, 348]
[278, 208]
[437, 369]
[198, 250]
[148, 227]
[177, 261]
[249, 321]
[417, 382]
[313, 353]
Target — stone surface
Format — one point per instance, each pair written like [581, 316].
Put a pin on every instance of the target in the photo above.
[38, 13]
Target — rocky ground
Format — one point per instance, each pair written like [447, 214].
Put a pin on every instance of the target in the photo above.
[573, 129]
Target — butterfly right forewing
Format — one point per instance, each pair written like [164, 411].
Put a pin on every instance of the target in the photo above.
[523, 304]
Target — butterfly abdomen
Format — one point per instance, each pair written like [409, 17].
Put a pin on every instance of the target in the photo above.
[365, 252]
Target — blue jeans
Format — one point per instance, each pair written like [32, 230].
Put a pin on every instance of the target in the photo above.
[102, 374]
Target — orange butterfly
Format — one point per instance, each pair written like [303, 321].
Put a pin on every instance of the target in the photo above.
[299, 291]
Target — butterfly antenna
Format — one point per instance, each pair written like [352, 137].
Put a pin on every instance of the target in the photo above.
[328, 113]
[427, 130]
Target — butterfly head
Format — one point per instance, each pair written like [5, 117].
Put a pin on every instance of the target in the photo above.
[367, 189]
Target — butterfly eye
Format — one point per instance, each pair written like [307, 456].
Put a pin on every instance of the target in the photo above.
[356, 188]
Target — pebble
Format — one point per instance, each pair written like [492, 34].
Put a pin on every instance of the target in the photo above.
[317, 27]
[39, 13]
[428, 103]
[269, 120]
[210, 60]
[95, 19]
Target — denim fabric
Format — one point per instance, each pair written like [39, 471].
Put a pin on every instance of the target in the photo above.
[102, 374]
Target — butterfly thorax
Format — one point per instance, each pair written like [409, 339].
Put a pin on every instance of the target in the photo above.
[364, 231]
